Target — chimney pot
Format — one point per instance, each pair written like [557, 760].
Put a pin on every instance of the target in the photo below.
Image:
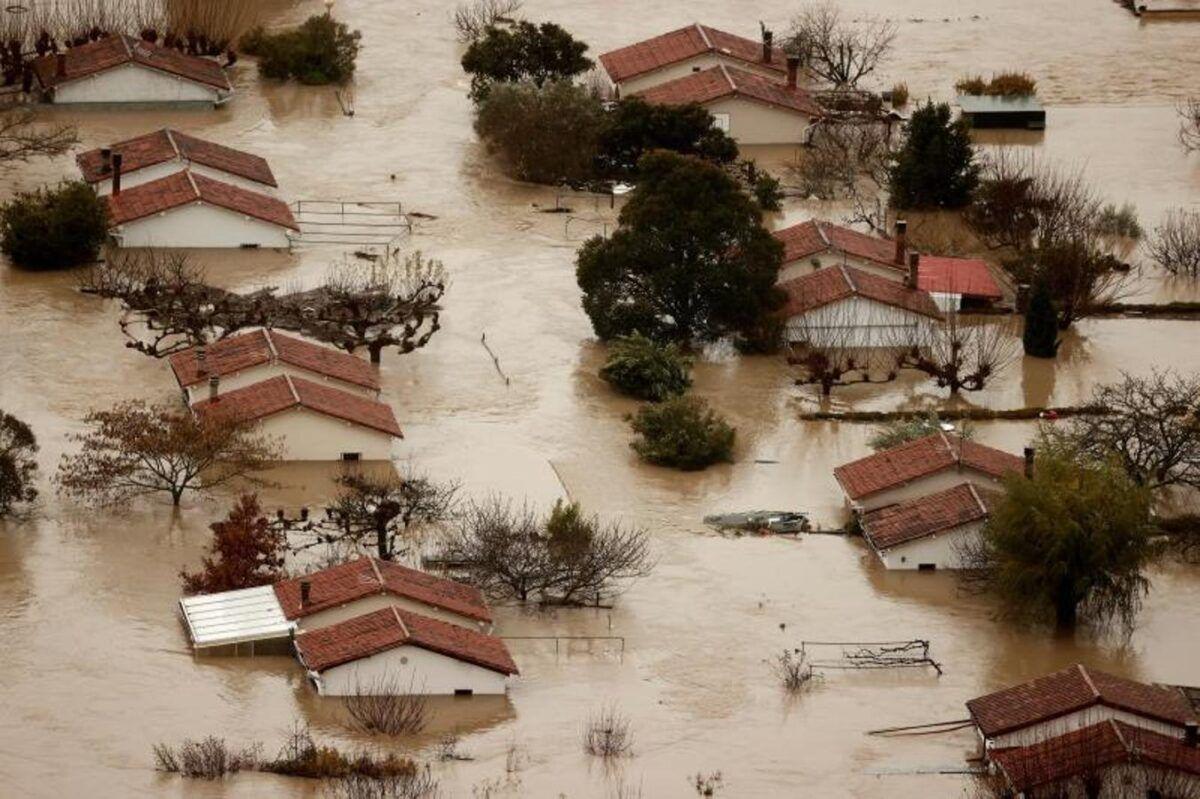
[901, 240]
[116, 173]
[60, 65]
[914, 270]
[768, 37]
[793, 70]
[305, 591]
[1029, 454]
[214, 387]
[1191, 734]
[106, 160]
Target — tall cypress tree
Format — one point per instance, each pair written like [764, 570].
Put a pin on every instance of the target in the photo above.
[1041, 324]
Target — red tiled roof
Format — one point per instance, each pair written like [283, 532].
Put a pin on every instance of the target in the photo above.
[967, 276]
[269, 397]
[1092, 749]
[836, 283]
[244, 351]
[816, 236]
[924, 516]
[98, 56]
[1075, 688]
[368, 576]
[918, 458]
[186, 187]
[166, 145]
[722, 81]
[680, 45]
[388, 628]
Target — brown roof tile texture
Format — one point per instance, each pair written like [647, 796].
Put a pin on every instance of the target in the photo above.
[388, 628]
[924, 516]
[166, 145]
[816, 236]
[186, 187]
[113, 51]
[1085, 751]
[835, 283]
[968, 276]
[1075, 688]
[276, 394]
[258, 347]
[919, 458]
[717, 82]
[369, 576]
[680, 45]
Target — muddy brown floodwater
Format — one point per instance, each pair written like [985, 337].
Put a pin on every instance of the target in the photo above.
[95, 668]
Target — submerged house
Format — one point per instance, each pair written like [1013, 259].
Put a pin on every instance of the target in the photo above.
[817, 243]
[122, 69]
[187, 209]
[682, 52]
[923, 466]
[847, 307]
[957, 284]
[165, 152]
[1073, 699]
[995, 111]
[929, 532]
[394, 651]
[752, 109]
[314, 422]
[241, 360]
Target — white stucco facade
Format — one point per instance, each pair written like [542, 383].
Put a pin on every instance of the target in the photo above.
[939, 551]
[306, 435]
[922, 486]
[133, 83]
[367, 604]
[427, 672]
[697, 63]
[265, 371]
[199, 225]
[753, 122]
[1035, 733]
[156, 171]
[858, 322]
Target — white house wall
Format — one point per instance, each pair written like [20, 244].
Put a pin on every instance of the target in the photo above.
[427, 672]
[131, 83]
[1077, 721]
[202, 226]
[943, 550]
[156, 171]
[805, 266]
[923, 486]
[857, 322]
[682, 69]
[374, 602]
[752, 122]
[265, 371]
[310, 436]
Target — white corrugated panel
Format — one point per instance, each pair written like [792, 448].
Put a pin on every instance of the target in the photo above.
[234, 617]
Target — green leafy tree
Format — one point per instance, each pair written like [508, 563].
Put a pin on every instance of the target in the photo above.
[523, 51]
[684, 433]
[1041, 324]
[643, 368]
[18, 466]
[635, 127]
[320, 51]
[54, 228]
[1071, 543]
[935, 167]
[689, 262]
[547, 134]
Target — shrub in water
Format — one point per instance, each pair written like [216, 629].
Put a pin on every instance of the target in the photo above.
[54, 228]
[642, 368]
[684, 433]
[320, 51]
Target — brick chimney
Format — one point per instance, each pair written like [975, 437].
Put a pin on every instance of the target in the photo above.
[116, 174]
[214, 388]
[901, 241]
[914, 270]
[1029, 453]
[305, 592]
[793, 70]
[60, 65]
[1191, 734]
[768, 38]
[105, 160]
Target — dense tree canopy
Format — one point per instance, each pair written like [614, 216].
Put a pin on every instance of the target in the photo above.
[690, 261]
[636, 127]
[1041, 324]
[18, 468]
[246, 551]
[54, 228]
[320, 51]
[523, 51]
[684, 433]
[935, 168]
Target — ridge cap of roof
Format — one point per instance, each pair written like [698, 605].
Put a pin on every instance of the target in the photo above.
[704, 35]
[396, 615]
[171, 138]
[292, 388]
[846, 276]
[378, 575]
[1087, 678]
[192, 183]
[1116, 728]
[821, 232]
[979, 500]
[125, 42]
[266, 331]
[728, 78]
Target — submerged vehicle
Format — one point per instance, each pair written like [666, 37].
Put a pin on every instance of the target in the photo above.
[767, 521]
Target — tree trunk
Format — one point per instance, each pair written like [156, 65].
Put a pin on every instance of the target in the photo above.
[376, 351]
[382, 543]
[1066, 612]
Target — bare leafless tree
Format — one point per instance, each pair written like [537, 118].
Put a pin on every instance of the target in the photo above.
[794, 671]
[608, 733]
[388, 705]
[961, 353]
[844, 158]
[1189, 123]
[839, 51]
[22, 139]
[838, 345]
[1175, 245]
[472, 19]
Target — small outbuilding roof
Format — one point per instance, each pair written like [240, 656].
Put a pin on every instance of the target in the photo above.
[680, 45]
[186, 187]
[1092, 748]
[166, 145]
[259, 347]
[277, 394]
[817, 235]
[836, 283]
[1075, 688]
[721, 81]
[114, 51]
[997, 104]
[347, 582]
[388, 628]
[969, 277]
[235, 617]
[919, 458]
[925, 516]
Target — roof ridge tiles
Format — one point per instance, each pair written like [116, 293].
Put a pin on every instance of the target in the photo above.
[396, 614]
[295, 395]
[821, 232]
[1087, 678]
[728, 78]
[704, 36]
[375, 569]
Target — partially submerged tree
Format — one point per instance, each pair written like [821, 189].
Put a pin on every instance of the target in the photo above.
[320, 51]
[959, 353]
[1041, 338]
[1072, 543]
[54, 228]
[1175, 245]
[1077, 273]
[683, 433]
[246, 551]
[643, 368]
[690, 261]
[22, 139]
[523, 51]
[472, 19]
[935, 167]
[1189, 123]
[136, 449]
[18, 464]
[836, 50]
[635, 127]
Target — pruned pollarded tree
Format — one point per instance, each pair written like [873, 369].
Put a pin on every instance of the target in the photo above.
[1189, 123]
[22, 139]
[378, 511]
[842, 52]
[832, 350]
[137, 449]
[959, 353]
